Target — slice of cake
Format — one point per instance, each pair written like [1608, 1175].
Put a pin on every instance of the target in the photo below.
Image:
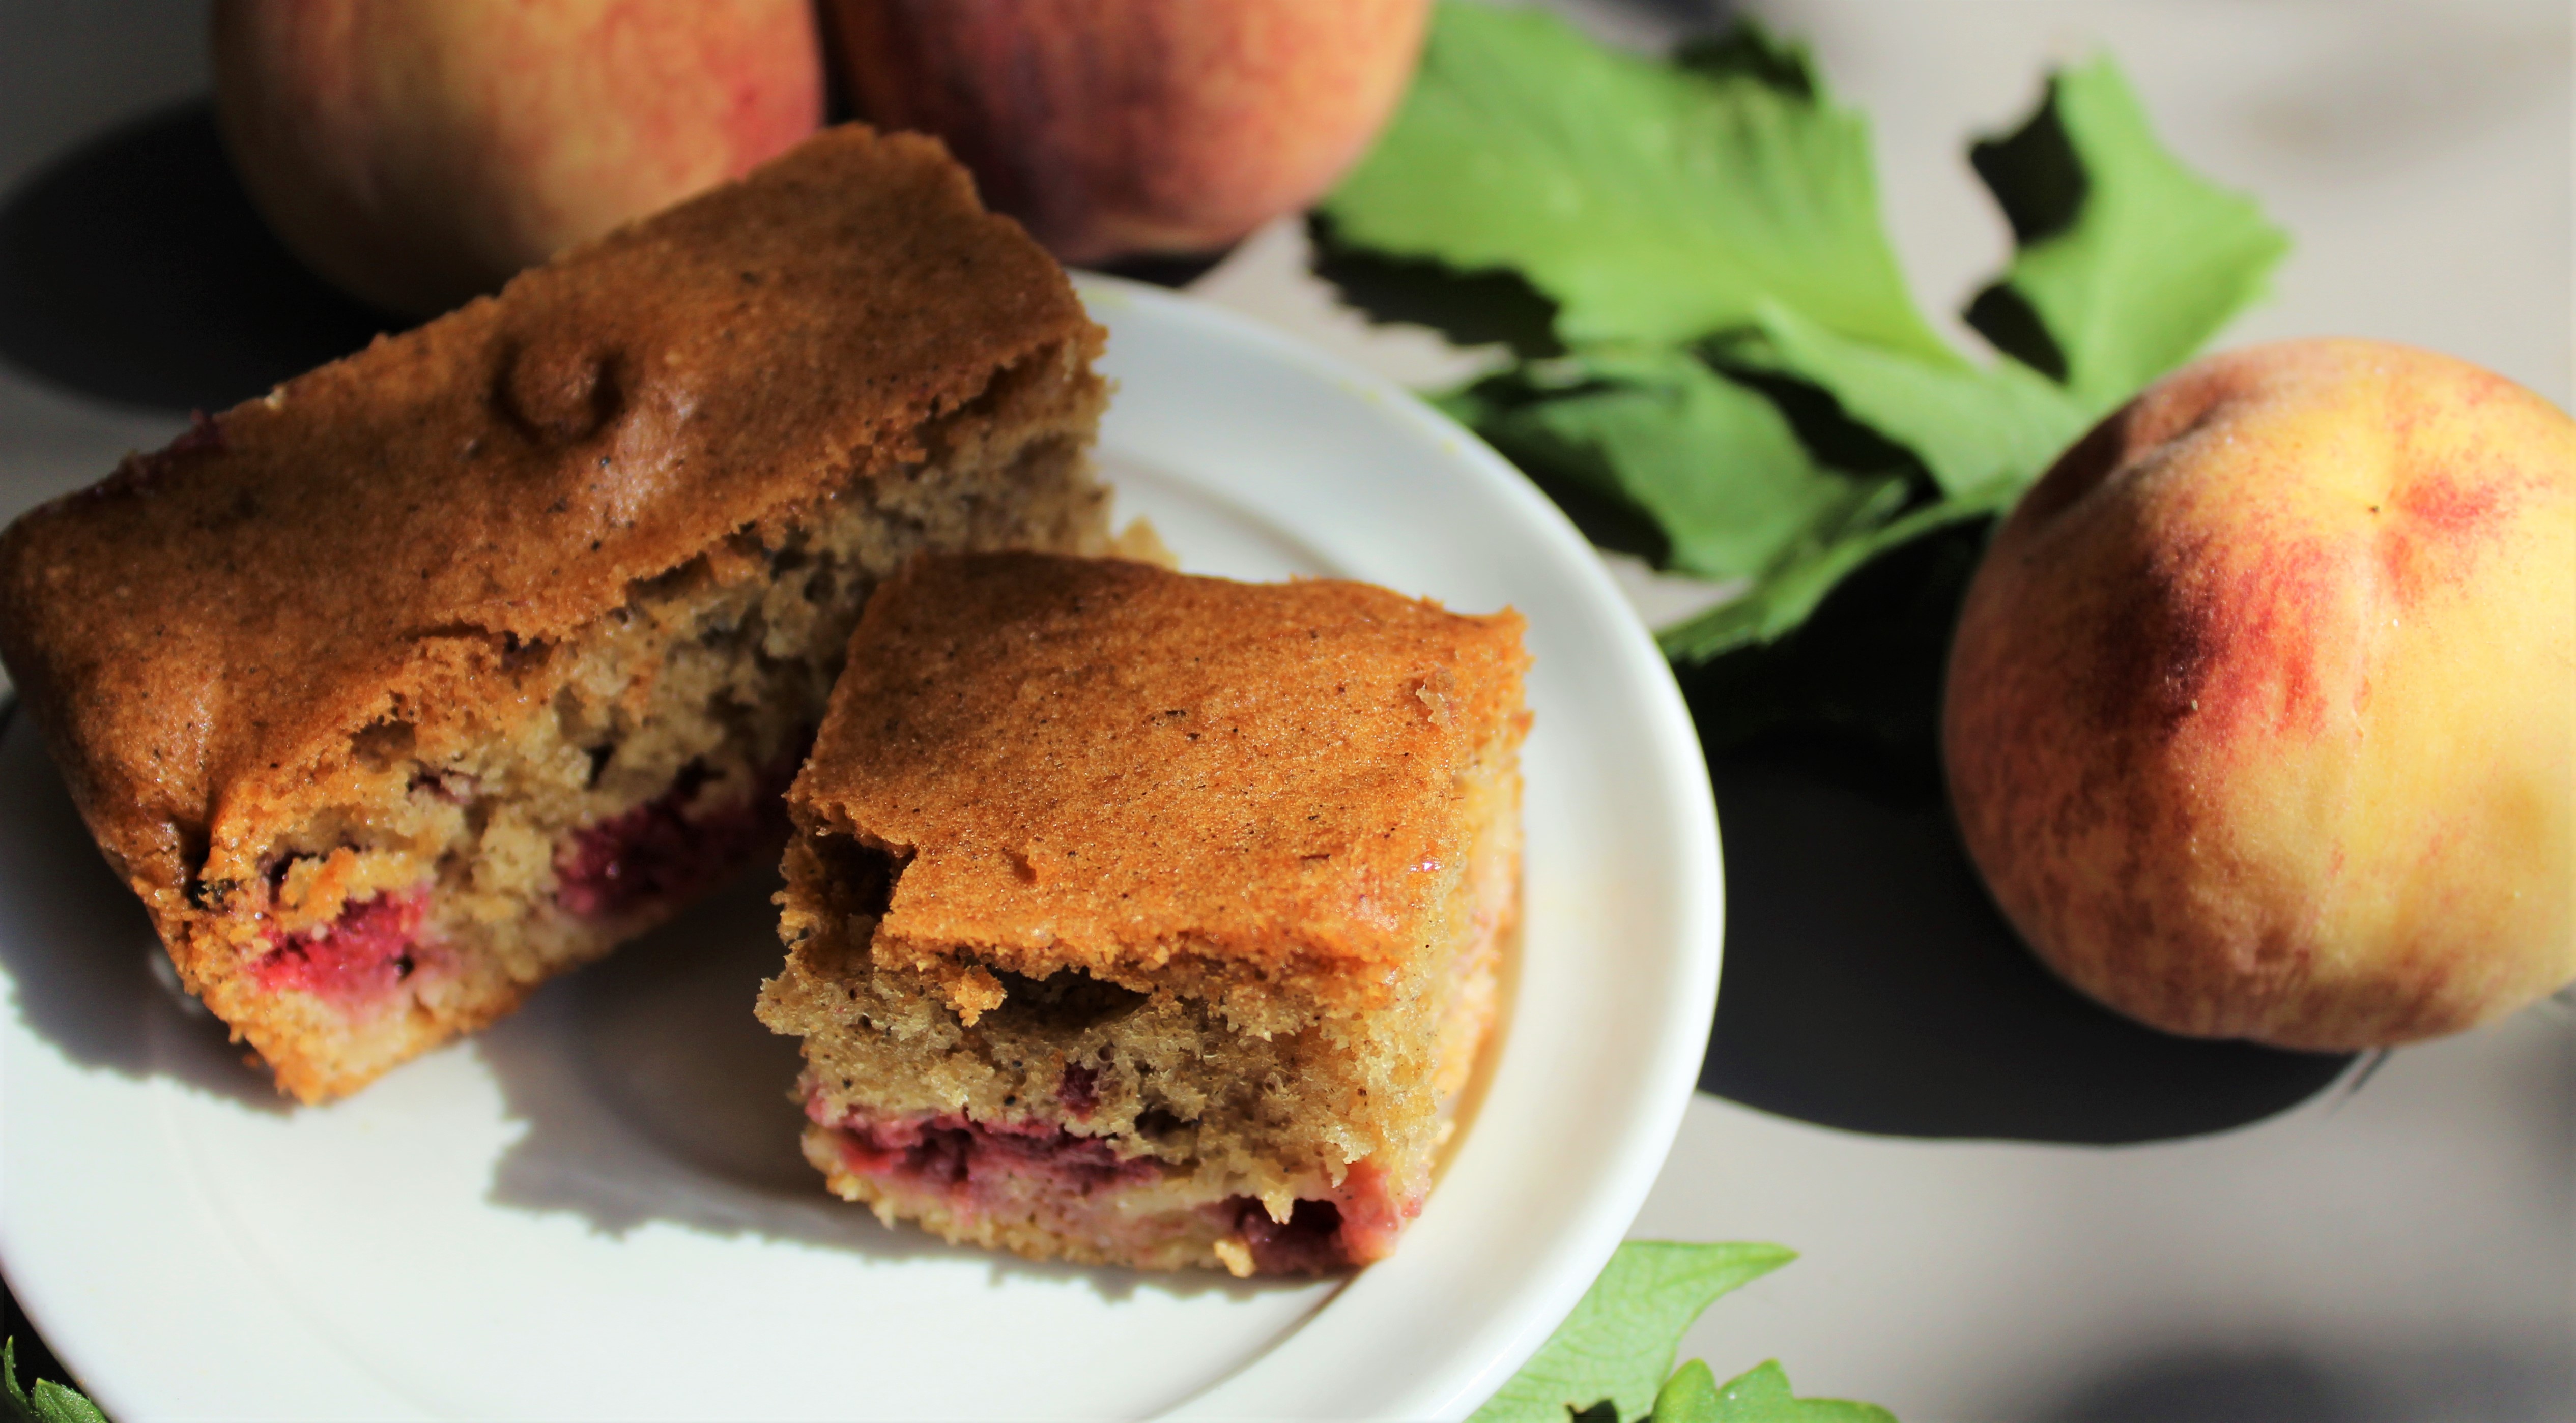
[446, 667]
[1150, 920]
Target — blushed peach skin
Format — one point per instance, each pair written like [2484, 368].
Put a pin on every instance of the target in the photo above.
[1123, 127]
[2261, 714]
[417, 152]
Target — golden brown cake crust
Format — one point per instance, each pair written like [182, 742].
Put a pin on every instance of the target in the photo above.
[1105, 766]
[412, 521]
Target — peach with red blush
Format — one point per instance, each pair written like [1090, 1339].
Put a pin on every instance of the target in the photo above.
[2261, 713]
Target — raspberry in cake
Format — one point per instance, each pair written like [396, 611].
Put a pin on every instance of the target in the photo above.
[448, 666]
[1151, 920]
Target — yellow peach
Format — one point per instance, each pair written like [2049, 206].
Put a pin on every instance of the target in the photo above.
[416, 152]
[1127, 127]
[2261, 713]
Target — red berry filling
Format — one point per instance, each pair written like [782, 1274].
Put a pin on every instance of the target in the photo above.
[1079, 1091]
[360, 958]
[958, 1154]
[1309, 1242]
[965, 1158]
[1322, 1237]
[667, 849]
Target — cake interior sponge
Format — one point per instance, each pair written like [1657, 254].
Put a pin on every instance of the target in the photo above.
[1146, 919]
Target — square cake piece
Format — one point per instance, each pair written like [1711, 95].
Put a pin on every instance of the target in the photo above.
[1150, 920]
[449, 665]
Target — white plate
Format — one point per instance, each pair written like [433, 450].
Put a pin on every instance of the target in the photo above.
[596, 1210]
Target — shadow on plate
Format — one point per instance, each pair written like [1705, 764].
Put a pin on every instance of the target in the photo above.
[652, 1095]
[134, 270]
[88, 972]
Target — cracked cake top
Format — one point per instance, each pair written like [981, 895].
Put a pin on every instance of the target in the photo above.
[1103, 765]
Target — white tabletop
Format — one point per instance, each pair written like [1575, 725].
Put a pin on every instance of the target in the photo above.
[2396, 1247]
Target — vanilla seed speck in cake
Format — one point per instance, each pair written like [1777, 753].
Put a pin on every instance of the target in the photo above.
[1151, 920]
[447, 666]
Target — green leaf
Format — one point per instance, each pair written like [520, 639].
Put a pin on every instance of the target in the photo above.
[1651, 202]
[1784, 600]
[1619, 1343]
[2128, 259]
[1711, 464]
[1689, 1396]
[51, 1403]
[1761, 1395]
[1704, 237]
[1974, 428]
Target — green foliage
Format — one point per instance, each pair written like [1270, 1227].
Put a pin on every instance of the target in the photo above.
[1619, 1342]
[1612, 1359]
[2145, 263]
[1971, 428]
[1652, 202]
[1761, 1395]
[1734, 380]
[1781, 604]
[49, 1402]
[1638, 426]
[1689, 1396]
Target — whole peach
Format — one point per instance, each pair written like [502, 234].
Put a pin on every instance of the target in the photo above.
[2261, 715]
[416, 152]
[1121, 127]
